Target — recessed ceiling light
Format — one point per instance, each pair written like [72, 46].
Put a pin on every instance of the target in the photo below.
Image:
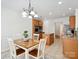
[70, 8]
[50, 13]
[60, 2]
[63, 14]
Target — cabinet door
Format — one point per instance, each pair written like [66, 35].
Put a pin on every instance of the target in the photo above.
[40, 23]
[52, 38]
[70, 48]
[72, 22]
[48, 39]
[35, 22]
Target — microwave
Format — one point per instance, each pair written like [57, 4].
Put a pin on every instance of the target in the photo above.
[38, 29]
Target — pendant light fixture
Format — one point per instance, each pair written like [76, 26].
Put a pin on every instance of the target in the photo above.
[30, 13]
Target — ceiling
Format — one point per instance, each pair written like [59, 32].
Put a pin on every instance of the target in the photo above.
[46, 8]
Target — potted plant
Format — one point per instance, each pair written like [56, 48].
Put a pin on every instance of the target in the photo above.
[25, 34]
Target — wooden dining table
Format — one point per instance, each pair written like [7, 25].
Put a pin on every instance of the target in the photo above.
[27, 45]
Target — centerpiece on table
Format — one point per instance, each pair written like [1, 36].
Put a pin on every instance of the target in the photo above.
[25, 34]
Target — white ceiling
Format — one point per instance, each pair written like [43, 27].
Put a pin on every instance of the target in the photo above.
[44, 7]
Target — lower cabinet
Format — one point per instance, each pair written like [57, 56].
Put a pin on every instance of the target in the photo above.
[50, 39]
[70, 48]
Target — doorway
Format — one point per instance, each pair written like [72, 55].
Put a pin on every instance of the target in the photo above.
[58, 30]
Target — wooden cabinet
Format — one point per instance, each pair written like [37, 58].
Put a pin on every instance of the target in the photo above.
[72, 22]
[70, 48]
[50, 38]
[40, 23]
[34, 22]
[37, 23]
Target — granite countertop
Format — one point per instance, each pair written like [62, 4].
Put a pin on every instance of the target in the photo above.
[70, 37]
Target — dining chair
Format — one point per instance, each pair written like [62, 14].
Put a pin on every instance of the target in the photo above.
[38, 53]
[14, 53]
[36, 36]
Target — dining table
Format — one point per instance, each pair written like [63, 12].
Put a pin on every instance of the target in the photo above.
[26, 45]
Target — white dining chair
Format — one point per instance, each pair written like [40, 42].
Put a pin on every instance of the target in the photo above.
[38, 53]
[15, 53]
[36, 36]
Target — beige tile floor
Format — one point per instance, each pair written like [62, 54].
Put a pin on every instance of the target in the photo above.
[55, 51]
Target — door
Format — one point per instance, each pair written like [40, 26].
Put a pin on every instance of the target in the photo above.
[58, 29]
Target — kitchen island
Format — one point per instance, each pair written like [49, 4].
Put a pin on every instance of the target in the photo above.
[70, 47]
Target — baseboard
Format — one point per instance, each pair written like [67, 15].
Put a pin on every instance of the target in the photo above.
[3, 51]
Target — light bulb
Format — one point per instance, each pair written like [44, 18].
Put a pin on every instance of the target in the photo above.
[30, 16]
[24, 14]
[32, 13]
[36, 16]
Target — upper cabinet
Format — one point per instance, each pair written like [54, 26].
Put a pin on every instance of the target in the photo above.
[37, 27]
[40, 23]
[36, 22]
[72, 22]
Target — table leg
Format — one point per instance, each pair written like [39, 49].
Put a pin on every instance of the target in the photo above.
[26, 54]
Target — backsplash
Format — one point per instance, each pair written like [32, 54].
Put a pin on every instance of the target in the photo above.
[68, 31]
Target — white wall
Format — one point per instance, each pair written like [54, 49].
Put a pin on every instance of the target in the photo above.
[49, 24]
[76, 24]
[12, 26]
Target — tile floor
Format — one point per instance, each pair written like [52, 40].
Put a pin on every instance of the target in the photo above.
[52, 52]
[55, 51]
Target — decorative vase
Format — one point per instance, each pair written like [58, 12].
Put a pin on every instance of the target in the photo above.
[25, 39]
